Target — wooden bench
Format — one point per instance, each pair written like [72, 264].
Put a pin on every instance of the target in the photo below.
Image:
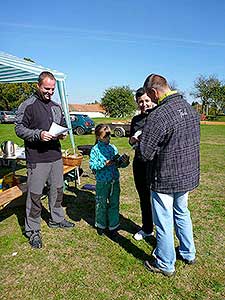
[18, 190]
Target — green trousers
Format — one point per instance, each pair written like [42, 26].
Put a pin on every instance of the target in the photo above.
[107, 204]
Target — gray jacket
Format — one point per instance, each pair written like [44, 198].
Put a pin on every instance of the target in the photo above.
[33, 116]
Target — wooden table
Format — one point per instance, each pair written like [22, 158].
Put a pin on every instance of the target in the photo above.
[18, 190]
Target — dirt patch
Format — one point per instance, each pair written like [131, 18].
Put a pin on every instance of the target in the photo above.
[212, 123]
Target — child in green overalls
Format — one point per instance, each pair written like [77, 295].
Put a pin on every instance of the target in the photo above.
[104, 162]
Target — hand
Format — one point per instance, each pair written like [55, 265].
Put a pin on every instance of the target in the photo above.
[109, 163]
[46, 136]
[133, 140]
[62, 136]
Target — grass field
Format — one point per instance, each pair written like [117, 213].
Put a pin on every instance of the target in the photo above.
[79, 264]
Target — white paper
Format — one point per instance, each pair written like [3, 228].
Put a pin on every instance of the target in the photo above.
[137, 133]
[56, 129]
[20, 153]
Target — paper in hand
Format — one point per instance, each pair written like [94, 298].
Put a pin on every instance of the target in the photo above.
[56, 129]
[137, 133]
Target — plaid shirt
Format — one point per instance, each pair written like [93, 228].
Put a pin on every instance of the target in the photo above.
[171, 138]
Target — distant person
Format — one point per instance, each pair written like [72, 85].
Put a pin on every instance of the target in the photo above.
[43, 156]
[140, 168]
[171, 138]
[105, 161]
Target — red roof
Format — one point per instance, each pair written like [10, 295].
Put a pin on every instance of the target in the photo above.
[86, 108]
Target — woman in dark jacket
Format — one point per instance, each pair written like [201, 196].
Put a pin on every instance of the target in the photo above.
[140, 168]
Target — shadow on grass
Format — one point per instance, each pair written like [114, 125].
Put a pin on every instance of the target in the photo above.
[132, 249]
[10, 210]
[18, 208]
[81, 206]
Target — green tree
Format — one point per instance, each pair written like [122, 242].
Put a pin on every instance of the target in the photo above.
[119, 101]
[218, 99]
[210, 91]
[12, 94]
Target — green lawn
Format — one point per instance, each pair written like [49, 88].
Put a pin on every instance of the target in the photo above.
[79, 264]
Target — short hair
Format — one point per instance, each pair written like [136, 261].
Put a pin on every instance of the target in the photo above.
[45, 74]
[139, 92]
[156, 81]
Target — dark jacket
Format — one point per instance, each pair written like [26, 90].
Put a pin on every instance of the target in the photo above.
[33, 116]
[171, 137]
[138, 123]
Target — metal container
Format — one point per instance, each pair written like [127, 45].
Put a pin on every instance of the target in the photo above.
[8, 149]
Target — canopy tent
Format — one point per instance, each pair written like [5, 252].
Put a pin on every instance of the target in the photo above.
[15, 70]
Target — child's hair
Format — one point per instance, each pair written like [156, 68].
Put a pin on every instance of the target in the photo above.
[98, 130]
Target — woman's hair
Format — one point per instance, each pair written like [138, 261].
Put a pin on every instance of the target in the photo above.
[98, 130]
[139, 92]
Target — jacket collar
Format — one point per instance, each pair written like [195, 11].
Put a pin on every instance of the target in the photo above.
[166, 95]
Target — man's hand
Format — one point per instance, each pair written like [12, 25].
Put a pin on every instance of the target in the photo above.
[62, 136]
[46, 136]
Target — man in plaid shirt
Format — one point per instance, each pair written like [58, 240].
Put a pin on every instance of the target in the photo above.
[171, 139]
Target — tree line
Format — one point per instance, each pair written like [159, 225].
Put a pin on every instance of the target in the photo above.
[209, 92]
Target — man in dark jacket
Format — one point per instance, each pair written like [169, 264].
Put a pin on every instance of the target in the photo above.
[43, 156]
[171, 138]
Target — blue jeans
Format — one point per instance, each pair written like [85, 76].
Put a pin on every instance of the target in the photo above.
[169, 211]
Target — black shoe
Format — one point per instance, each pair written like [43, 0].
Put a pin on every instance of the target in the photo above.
[35, 240]
[151, 267]
[100, 231]
[113, 234]
[64, 224]
[189, 262]
[186, 261]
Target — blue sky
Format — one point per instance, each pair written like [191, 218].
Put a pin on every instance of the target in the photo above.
[105, 43]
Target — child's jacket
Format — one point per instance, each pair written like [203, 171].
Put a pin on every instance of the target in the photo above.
[100, 153]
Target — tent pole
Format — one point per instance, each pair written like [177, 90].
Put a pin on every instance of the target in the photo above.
[62, 93]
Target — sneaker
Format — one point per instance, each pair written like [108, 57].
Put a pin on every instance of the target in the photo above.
[64, 224]
[151, 267]
[186, 261]
[140, 235]
[35, 240]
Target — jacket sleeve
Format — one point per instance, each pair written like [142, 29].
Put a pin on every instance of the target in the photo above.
[23, 121]
[151, 140]
[97, 161]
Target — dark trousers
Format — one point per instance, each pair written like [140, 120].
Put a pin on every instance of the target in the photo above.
[142, 184]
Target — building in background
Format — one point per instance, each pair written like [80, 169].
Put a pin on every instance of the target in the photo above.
[92, 110]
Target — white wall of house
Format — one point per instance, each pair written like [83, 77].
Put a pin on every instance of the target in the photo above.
[91, 114]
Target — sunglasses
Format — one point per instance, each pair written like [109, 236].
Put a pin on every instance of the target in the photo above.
[107, 134]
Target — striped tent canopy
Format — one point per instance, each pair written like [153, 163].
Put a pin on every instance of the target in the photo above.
[15, 70]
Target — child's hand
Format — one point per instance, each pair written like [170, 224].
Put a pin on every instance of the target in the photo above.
[109, 163]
